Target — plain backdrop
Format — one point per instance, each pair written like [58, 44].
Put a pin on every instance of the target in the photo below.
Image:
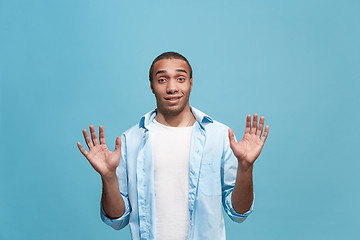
[67, 64]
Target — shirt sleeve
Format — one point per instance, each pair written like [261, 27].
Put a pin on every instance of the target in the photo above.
[236, 217]
[120, 222]
[121, 173]
[228, 177]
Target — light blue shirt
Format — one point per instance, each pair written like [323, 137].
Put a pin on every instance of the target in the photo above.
[212, 173]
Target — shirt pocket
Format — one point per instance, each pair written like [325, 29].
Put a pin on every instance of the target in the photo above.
[210, 180]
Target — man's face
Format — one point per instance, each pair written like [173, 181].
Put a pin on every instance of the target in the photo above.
[171, 85]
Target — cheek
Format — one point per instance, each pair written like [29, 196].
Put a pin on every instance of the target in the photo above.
[188, 89]
[152, 88]
[158, 92]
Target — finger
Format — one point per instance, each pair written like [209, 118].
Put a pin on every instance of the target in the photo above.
[102, 135]
[82, 150]
[266, 132]
[93, 135]
[87, 139]
[231, 136]
[118, 144]
[261, 125]
[248, 124]
[254, 124]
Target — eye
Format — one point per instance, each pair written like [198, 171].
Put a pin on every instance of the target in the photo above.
[181, 79]
[161, 80]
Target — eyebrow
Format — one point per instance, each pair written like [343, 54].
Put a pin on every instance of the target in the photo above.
[181, 70]
[164, 71]
[160, 71]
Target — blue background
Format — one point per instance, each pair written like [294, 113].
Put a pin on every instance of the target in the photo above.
[67, 64]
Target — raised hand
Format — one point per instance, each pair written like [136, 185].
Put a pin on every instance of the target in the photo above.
[249, 148]
[100, 157]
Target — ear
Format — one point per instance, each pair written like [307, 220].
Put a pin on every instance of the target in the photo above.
[151, 87]
[191, 84]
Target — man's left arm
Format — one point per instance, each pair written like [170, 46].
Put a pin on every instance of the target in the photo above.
[246, 152]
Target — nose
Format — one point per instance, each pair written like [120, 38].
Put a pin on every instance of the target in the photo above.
[172, 87]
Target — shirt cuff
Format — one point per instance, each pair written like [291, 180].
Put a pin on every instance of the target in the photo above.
[237, 217]
[117, 223]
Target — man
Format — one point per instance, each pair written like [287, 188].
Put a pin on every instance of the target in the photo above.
[170, 174]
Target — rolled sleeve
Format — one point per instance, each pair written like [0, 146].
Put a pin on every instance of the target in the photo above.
[229, 171]
[236, 217]
[121, 173]
[120, 222]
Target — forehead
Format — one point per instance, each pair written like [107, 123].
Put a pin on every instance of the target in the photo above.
[171, 64]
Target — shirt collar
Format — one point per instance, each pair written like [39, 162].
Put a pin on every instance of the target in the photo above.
[200, 117]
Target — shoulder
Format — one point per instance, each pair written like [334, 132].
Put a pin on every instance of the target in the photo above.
[207, 121]
[134, 131]
[140, 128]
[217, 131]
[218, 125]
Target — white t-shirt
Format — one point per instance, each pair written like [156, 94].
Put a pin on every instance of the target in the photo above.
[171, 153]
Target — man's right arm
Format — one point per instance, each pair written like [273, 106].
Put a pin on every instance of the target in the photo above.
[111, 199]
[105, 162]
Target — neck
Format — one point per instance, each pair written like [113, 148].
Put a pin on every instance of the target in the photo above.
[183, 119]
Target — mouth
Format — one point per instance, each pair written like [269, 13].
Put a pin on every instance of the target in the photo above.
[172, 99]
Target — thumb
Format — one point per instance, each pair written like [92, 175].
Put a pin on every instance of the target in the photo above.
[118, 144]
[231, 137]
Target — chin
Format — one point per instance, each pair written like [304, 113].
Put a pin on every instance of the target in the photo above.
[173, 110]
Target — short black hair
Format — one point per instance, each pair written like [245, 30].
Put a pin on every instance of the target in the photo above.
[168, 55]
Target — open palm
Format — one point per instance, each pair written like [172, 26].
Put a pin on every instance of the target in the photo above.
[249, 148]
[100, 157]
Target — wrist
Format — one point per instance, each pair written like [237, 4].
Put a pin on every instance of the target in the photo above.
[109, 177]
[245, 167]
